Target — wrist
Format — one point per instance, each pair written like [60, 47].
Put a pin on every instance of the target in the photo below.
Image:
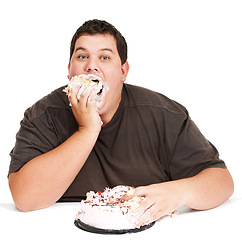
[186, 191]
[93, 130]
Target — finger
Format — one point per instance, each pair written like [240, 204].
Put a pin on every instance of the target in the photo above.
[91, 103]
[72, 97]
[141, 215]
[145, 205]
[146, 214]
[158, 215]
[81, 89]
[84, 96]
[92, 95]
[146, 218]
[84, 91]
[149, 218]
[152, 214]
[146, 201]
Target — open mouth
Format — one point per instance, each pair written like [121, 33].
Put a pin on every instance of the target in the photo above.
[102, 87]
[98, 86]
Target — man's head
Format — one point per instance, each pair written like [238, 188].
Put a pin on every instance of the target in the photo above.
[98, 48]
[93, 27]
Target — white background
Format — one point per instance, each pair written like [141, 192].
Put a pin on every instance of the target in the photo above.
[190, 51]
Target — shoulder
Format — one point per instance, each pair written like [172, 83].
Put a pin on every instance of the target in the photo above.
[57, 99]
[140, 96]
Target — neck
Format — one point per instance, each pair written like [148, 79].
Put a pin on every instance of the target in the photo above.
[110, 107]
[108, 115]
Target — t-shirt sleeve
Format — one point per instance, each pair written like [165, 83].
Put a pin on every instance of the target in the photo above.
[31, 141]
[192, 153]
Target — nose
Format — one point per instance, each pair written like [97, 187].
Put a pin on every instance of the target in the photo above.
[92, 66]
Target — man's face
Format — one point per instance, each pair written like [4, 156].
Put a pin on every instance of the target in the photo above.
[98, 54]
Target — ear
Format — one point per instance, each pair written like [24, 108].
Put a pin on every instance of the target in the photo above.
[69, 66]
[125, 70]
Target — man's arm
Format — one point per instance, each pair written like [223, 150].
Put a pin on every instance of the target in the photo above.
[206, 190]
[44, 179]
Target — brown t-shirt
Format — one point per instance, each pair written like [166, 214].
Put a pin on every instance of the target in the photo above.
[151, 139]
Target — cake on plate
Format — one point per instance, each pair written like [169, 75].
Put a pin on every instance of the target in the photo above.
[109, 211]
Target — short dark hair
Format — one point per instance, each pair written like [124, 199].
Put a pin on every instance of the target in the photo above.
[96, 26]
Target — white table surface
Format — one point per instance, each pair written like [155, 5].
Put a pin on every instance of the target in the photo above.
[57, 222]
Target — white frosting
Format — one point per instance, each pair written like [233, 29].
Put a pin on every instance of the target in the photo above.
[108, 210]
[98, 86]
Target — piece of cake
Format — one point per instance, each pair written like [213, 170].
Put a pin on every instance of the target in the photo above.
[99, 87]
[109, 211]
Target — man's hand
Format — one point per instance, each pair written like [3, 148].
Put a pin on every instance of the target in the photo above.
[160, 199]
[84, 109]
[208, 189]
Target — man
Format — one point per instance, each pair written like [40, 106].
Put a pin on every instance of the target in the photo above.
[136, 137]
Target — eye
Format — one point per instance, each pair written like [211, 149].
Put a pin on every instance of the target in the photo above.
[105, 58]
[82, 57]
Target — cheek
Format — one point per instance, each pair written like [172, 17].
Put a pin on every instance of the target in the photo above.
[75, 69]
[114, 78]
[113, 72]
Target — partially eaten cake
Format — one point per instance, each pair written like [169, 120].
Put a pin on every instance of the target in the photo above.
[108, 210]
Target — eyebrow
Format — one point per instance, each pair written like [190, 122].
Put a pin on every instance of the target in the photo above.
[107, 49]
[80, 48]
[103, 49]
